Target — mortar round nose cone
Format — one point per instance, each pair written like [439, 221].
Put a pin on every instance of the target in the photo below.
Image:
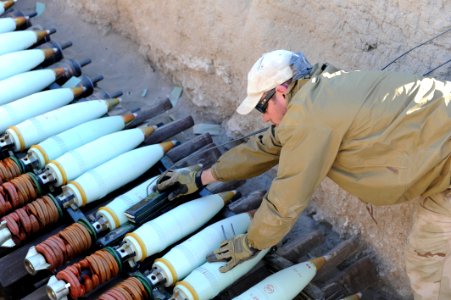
[41, 34]
[78, 91]
[128, 118]
[8, 4]
[318, 262]
[168, 145]
[227, 196]
[21, 21]
[356, 296]
[148, 130]
[113, 102]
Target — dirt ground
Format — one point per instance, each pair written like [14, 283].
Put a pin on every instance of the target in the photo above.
[113, 56]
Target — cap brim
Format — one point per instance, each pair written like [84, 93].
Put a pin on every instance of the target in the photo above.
[248, 104]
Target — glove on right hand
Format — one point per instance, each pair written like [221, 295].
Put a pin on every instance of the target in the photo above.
[180, 182]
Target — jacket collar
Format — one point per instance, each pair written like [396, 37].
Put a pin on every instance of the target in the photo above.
[317, 69]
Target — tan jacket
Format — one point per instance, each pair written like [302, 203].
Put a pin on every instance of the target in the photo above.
[382, 136]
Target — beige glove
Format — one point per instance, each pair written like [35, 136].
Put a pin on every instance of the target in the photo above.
[233, 251]
[180, 182]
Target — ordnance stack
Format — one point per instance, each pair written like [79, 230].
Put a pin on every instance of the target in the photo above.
[79, 215]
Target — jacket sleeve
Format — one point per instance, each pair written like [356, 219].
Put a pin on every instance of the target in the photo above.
[307, 154]
[247, 160]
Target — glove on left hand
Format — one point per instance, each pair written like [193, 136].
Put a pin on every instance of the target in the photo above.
[233, 251]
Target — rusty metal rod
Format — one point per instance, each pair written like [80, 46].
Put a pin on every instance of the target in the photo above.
[151, 112]
[189, 147]
[169, 130]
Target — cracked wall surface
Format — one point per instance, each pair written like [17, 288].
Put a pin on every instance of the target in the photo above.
[208, 47]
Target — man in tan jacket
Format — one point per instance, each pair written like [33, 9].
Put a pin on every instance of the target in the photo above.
[382, 136]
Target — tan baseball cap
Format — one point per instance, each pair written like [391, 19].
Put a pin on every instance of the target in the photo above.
[271, 69]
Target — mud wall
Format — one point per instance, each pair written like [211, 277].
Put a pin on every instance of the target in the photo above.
[208, 46]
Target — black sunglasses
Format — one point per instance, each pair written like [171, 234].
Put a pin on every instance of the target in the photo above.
[262, 105]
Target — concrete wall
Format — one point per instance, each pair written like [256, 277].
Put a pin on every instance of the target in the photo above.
[208, 46]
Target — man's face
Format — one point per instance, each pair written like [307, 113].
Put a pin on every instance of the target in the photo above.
[277, 107]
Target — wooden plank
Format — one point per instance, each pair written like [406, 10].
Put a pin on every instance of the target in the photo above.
[277, 262]
[297, 248]
[248, 202]
[38, 294]
[357, 277]
[312, 291]
[338, 254]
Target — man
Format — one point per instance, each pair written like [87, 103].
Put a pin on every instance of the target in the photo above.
[382, 136]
